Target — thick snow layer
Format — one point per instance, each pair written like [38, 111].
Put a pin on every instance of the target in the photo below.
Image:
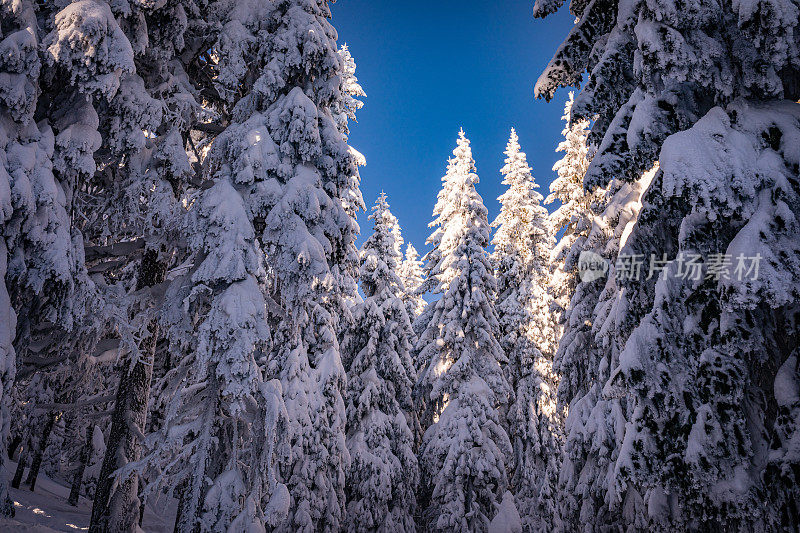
[787, 387]
[46, 509]
[507, 519]
[88, 42]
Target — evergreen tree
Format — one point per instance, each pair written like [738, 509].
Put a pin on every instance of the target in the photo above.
[522, 245]
[710, 93]
[130, 99]
[412, 276]
[594, 424]
[574, 214]
[145, 126]
[345, 110]
[444, 239]
[383, 475]
[465, 452]
[96, 82]
[223, 421]
[42, 275]
[289, 159]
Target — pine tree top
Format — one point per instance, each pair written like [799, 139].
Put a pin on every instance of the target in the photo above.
[522, 228]
[380, 254]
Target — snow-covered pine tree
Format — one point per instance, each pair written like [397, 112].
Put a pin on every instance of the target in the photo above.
[246, 165]
[592, 222]
[89, 462]
[382, 480]
[116, 82]
[34, 407]
[215, 442]
[710, 93]
[465, 452]
[437, 272]
[587, 350]
[40, 255]
[574, 213]
[288, 159]
[574, 217]
[145, 125]
[522, 246]
[345, 110]
[310, 237]
[222, 424]
[412, 276]
[95, 461]
[444, 239]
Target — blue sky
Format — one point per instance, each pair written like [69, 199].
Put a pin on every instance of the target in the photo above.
[430, 67]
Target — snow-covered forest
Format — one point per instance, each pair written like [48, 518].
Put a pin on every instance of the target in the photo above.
[191, 341]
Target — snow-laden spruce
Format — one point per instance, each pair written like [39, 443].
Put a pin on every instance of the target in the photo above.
[522, 245]
[574, 217]
[412, 275]
[255, 340]
[465, 452]
[299, 182]
[704, 361]
[445, 237]
[591, 223]
[345, 110]
[574, 214]
[383, 476]
[215, 451]
[143, 129]
[41, 256]
[714, 377]
[120, 165]
[587, 349]
[127, 141]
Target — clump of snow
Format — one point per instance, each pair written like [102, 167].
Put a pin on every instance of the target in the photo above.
[507, 519]
[89, 44]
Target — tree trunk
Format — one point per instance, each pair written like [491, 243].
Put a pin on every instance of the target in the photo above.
[12, 447]
[178, 510]
[23, 458]
[83, 460]
[119, 512]
[141, 507]
[36, 464]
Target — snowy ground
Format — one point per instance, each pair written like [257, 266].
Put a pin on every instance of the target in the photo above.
[46, 510]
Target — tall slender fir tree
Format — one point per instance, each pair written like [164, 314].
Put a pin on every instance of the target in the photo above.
[412, 276]
[465, 452]
[522, 245]
[383, 476]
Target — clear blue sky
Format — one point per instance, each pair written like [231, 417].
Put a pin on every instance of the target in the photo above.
[430, 67]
